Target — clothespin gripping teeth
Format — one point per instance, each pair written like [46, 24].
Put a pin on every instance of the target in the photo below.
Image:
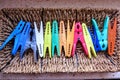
[70, 37]
[16, 31]
[112, 37]
[88, 41]
[47, 39]
[78, 36]
[62, 37]
[102, 36]
[55, 38]
[39, 38]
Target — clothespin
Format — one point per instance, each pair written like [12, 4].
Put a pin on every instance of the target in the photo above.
[20, 39]
[30, 44]
[62, 37]
[47, 39]
[39, 38]
[95, 40]
[78, 36]
[70, 37]
[112, 37]
[55, 38]
[16, 31]
[88, 41]
[102, 36]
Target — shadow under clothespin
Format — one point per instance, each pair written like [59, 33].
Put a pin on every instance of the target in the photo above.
[16, 31]
[88, 41]
[111, 60]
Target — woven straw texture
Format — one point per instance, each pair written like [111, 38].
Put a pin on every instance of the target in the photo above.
[9, 18]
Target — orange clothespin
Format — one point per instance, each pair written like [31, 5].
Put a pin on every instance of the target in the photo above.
[70, 37]
[62, 37]
[111, 37]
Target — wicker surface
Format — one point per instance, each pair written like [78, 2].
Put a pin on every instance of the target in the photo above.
[79, 63]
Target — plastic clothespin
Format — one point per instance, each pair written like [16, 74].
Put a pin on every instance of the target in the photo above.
[55, 38]
[112, 37]
[47, 39]
[16, 31]
[88, 41]
[78, 36]
[95, 40]
[62, 37]
[102, 36]
[70, 37]
[39, 38]
[30, 44]
[20, 39]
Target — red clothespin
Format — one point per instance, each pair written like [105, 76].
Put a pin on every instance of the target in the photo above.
[78, 36]
[111, 37]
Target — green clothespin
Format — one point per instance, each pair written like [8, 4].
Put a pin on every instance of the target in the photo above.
[55, 38]
[88, 40]
[47, 39]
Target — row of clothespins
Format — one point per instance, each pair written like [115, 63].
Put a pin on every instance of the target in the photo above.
[92, 40]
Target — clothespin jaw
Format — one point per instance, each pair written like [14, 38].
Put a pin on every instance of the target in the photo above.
[102, 36]
[55, 38]
[62, 35]
[47, 39]
[16, 31]
[78, 36]
[70, 37]
[39, 38]
[112, 37]
[20, 39]
[88, 41]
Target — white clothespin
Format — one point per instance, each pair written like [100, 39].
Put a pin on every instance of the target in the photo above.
[39, 38]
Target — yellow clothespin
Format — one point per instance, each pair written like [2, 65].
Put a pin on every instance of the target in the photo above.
[47, 39]
[62, 37]
[88, 41]
[70, 37]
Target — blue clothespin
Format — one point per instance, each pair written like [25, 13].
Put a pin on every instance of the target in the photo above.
[100, 37]
[95, 40]
[55, 38]
[30, 44]
[20, 39]
[16, 31]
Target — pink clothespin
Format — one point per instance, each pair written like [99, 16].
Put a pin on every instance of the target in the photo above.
[78, 36]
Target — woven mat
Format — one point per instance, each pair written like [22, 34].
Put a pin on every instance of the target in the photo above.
[9, 18]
